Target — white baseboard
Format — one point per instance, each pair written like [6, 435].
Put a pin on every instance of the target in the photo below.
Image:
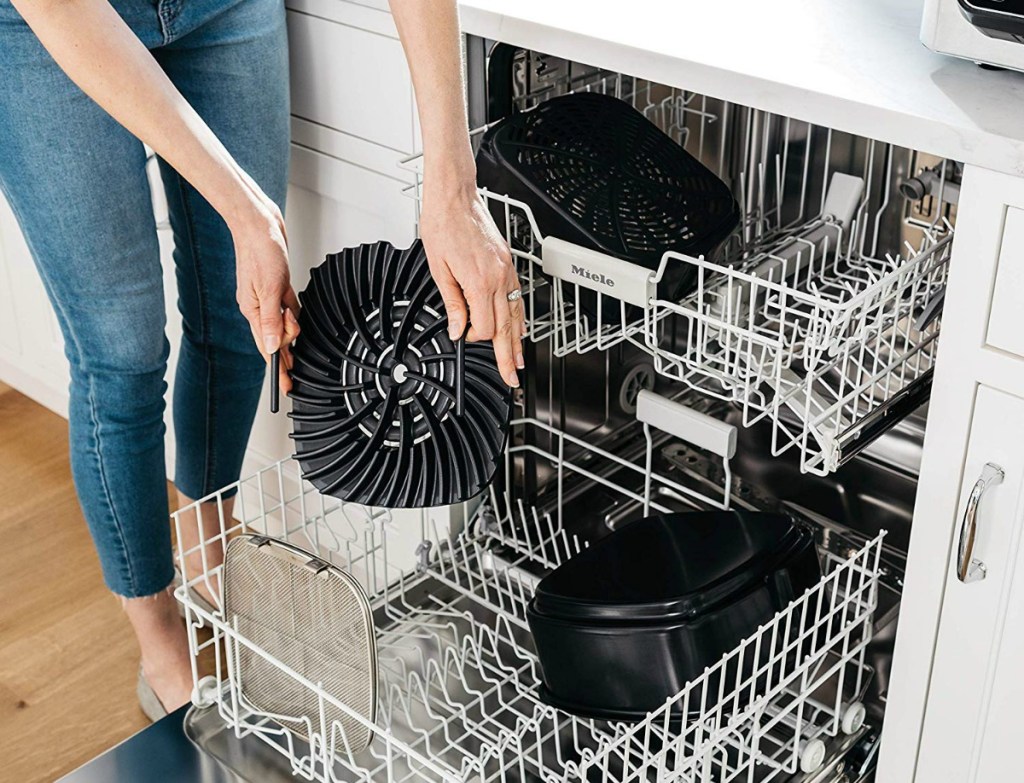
[49, 389]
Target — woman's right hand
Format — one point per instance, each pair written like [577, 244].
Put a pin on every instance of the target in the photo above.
[264, 291]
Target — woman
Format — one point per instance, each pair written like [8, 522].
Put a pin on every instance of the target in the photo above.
[204, 83]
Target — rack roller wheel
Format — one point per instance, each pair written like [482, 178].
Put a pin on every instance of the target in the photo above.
[813, 756]
[853, 718]
[636, 379]
[204, 693]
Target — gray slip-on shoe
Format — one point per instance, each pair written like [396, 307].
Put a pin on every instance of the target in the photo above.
[151, 705]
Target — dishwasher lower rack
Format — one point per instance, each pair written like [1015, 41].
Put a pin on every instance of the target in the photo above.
[458, 675]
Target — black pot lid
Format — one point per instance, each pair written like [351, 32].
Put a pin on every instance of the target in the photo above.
[376, 382]
[669, 567]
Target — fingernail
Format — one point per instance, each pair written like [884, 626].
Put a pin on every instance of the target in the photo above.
[454, 331]
[519, 361]
[513, 380]
[271, 343]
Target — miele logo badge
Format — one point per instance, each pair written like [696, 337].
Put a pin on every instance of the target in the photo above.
[580, 271]
[609, 276]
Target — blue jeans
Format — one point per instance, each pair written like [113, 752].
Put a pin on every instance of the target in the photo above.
[77, 184]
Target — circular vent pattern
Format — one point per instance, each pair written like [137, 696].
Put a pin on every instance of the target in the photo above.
[375, 386]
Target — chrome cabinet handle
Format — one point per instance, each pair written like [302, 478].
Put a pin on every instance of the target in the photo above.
[967, 568]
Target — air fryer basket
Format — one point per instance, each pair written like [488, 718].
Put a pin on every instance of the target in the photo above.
[388, 411]
[597, 173]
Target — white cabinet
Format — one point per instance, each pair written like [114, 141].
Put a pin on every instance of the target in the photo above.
[351, 79]
[10, 340]
[976, 416]
[1006, 324]
[31, 345]
[974, 720]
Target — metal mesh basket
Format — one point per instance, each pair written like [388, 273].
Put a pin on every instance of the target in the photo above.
[313, 618]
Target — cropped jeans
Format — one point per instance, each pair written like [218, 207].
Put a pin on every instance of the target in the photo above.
[76, 181]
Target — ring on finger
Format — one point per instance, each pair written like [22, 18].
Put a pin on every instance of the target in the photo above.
[515, 295]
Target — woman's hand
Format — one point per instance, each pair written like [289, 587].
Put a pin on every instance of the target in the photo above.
[264, 291]
[473, 267]
[469, 260]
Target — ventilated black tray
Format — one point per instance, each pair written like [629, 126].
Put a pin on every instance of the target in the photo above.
[387, 410]
[629, 621]
[597, 173]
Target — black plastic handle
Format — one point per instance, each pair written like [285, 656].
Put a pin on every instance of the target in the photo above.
[500, 67]
[275, 381]
[460, 373]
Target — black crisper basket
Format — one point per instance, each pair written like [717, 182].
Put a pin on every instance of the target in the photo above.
[597, 173]
[388, 411]
[628, 622]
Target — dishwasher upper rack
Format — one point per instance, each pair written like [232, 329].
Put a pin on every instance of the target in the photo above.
[800, 318]
[459, 676]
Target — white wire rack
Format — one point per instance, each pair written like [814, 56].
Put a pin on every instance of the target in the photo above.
[553, 304]
[458, 675]
[800, 317]
[818, 353]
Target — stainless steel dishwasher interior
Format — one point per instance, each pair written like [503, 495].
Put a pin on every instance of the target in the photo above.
[592, 396]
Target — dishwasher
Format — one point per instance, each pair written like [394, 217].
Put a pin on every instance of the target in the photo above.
[821, 378]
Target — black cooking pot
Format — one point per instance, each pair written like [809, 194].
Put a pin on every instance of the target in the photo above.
[628, 622]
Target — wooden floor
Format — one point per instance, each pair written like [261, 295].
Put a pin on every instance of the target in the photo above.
[68, 661]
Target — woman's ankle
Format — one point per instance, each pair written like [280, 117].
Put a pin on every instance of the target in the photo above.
[163, 646]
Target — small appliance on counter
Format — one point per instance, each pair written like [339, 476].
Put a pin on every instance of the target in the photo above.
[626, 623]
[985, 31]
[1002, 19]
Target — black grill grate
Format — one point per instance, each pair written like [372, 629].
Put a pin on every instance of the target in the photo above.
[375, 386]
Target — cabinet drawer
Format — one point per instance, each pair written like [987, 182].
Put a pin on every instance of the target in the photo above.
[1006, 321]
[351, 79]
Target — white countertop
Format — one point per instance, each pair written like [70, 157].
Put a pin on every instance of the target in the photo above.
[855, 65]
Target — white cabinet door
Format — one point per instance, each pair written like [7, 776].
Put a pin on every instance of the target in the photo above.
[973, 722]
[9, 337]
[32, 348]
[1006, 322]
[351, 79]
[969, 368]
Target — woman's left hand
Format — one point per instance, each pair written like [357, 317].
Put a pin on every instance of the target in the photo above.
[472, 266]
